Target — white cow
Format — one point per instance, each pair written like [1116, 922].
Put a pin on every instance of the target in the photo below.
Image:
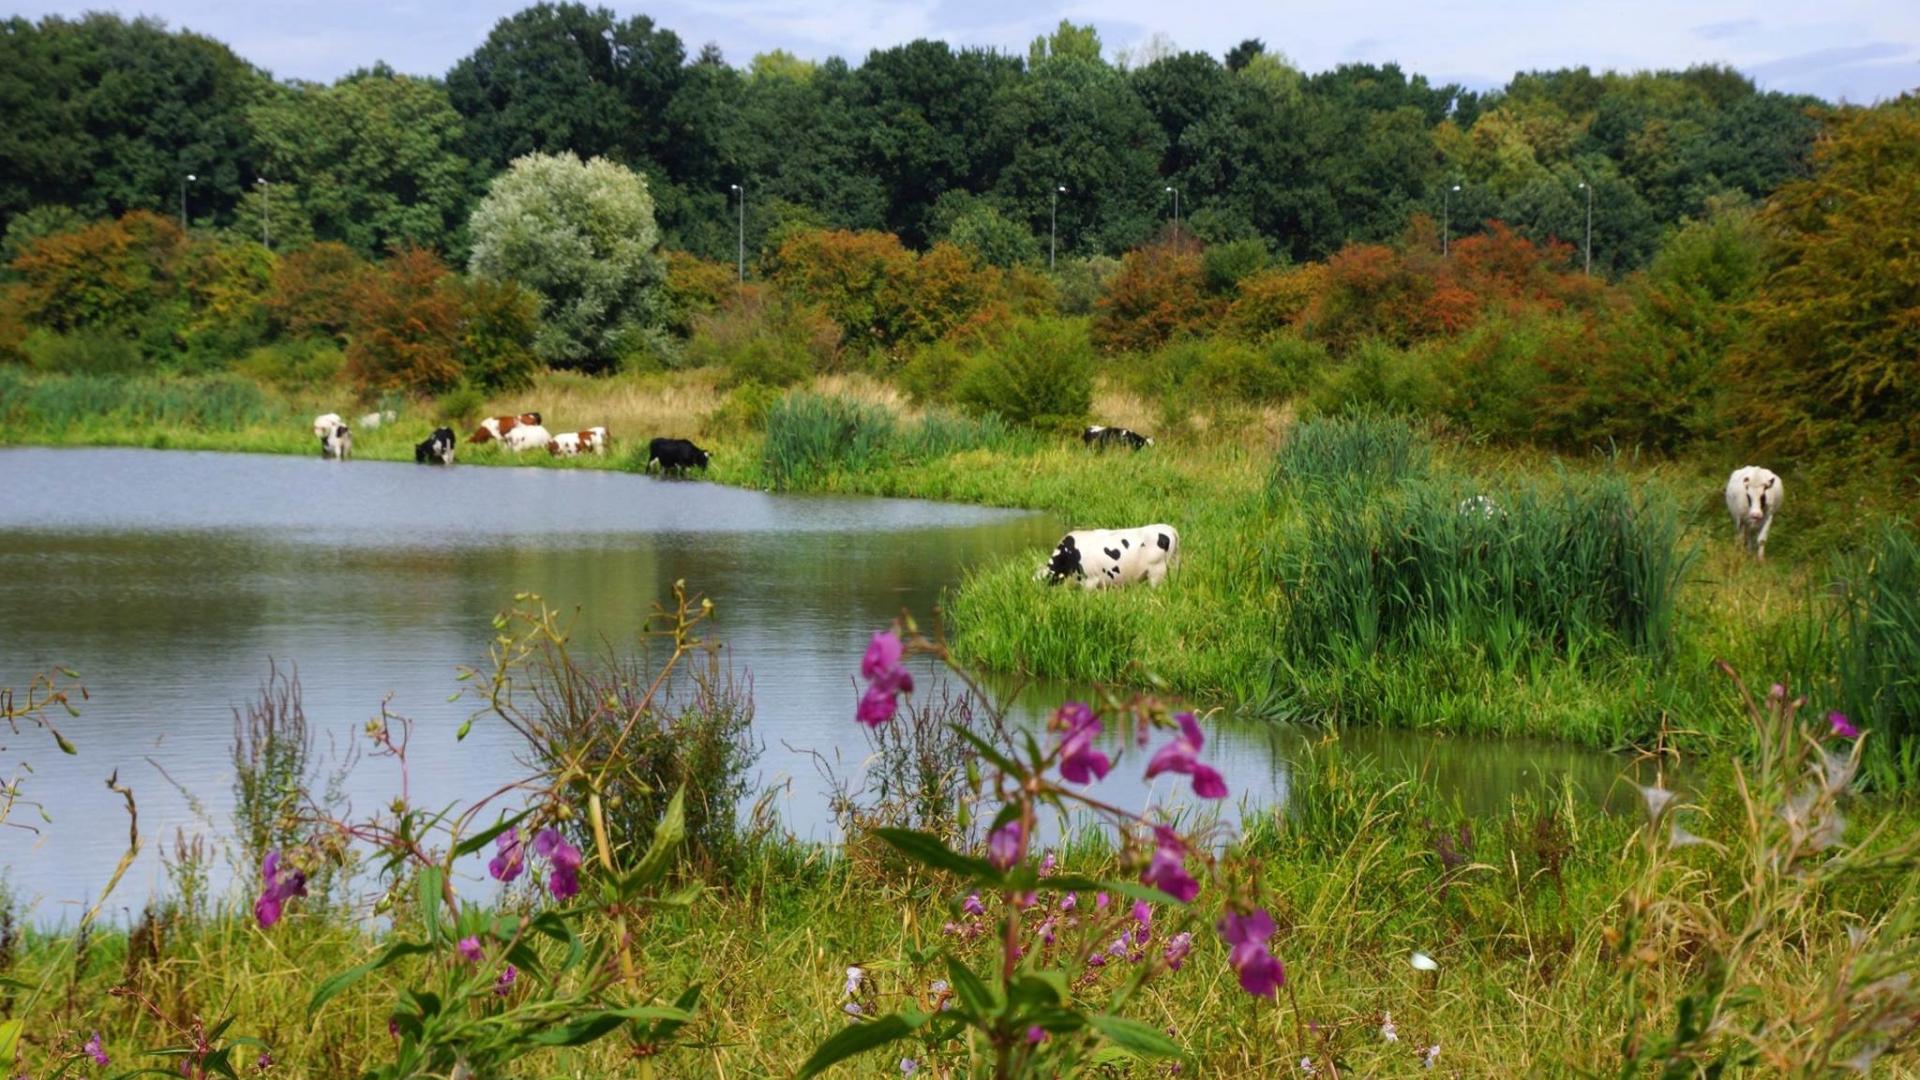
[1754, 495]
[337, 444]
[375, 419]
[526, 437]
[324, 423]
[1101, 557]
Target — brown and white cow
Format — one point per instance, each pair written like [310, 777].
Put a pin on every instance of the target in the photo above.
[496, 427]
[593, 440]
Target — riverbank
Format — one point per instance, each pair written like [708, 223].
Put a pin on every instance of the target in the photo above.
[1227, 630]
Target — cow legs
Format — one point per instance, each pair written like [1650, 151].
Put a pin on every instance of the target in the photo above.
[1760, 541]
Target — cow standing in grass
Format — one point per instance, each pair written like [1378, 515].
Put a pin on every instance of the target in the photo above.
[1753, 497]
[437, 449]
[1100, 438]
[1097, 558]
[337, 445]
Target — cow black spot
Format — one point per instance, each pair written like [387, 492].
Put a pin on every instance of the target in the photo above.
[1111, 553]
[1166, 544]
[1123, 542]
[1066, 559]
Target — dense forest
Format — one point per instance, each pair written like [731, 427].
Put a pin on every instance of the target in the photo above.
[106, 115]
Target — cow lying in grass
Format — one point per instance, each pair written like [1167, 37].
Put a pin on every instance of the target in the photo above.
[568, 443]
[1100, 438]
[1097, 558]
[498, 427]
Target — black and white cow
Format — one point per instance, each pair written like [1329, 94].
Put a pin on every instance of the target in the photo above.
[337, 444]
[675, 455]
[1097, 558]
[437, 449]
[1103, 437]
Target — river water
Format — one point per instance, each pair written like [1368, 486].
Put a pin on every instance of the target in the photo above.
[168, 580]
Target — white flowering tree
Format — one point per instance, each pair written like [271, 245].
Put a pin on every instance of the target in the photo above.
[581, 237]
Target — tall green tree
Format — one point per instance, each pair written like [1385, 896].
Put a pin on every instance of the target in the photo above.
[376, 157]
[105, 115]
[581, 236]
[560, 77]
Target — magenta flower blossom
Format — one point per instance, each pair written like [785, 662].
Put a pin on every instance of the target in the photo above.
[393, 1027]
[278, 889]
[887, 678]
[1177, 950]
[264, 1061]
[972, 905]
[512, 857]
[1260, 973]
[94, 1050]
[503, 985]
[1007, 845]
[470, 948]
[1100, 901]
[564, 881]
[1143, 914]
[1842, 726]
[1182, 755]
[1167, 871]
[1080, 763]
[1069, 902]
[1036, 1035]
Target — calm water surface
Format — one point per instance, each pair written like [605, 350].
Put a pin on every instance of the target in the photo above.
[168, 579]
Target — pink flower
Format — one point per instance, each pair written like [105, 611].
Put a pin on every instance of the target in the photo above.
[503, 985]
[1167, 870]
[1182, 755]
[279, 888]
[1069, 901]
[887, 678]
[1080, 763]
[1100, 901]
[94, 1050]
[972, 905]
[1842, 726]
[512, 857]
[564, 881]
[1260, 973]
[1177, 950]
[470, 948]
[1007, 845]
[1036, 1034]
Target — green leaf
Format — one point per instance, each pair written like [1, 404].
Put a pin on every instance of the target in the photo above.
[1133, 890]
[667, 837]
[592, 1026]
[10, 1036]
[431, 880]
[1040, 988]
[65, 746]
[661, 1030]
[861, 1038]
[328, 989]
[1133, 1035]
[973, 993]
[930, 850]
[988, 751]
[483, 839]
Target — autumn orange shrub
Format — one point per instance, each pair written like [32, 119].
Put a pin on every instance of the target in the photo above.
[314, 291]
[406, 326]
[694, 287]
[860, 280]
[111, 273]
[1272, 301]
[1160, 294]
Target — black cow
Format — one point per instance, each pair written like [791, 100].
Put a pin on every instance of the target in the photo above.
[437, 449]
[675, 455]
[1104, 437]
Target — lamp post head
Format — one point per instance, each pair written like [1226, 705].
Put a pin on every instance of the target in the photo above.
[1456, 187]
[1167, 189]
[733, 187]
[1061, 190]
[1583, 185]
[191, 177]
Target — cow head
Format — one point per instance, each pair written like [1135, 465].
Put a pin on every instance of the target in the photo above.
[1065, 562]
[531, 419]
[1758, 492]
[701, 456]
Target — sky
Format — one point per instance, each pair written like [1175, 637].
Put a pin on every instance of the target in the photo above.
[1853, 50]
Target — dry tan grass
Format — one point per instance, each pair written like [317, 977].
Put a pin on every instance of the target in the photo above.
[631, 407]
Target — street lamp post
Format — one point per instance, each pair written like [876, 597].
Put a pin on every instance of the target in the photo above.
[1053, 224]
[184, 181]
[266, 212]
[1176, 217]
[1589, 244]
[1446, 219]
[740, 255]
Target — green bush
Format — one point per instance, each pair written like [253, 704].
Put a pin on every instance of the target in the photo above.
[1360, 448]
[1039, 372]
[745, 409]
[933, 371]
[1082, 282]
[1377, 375]
[294, 365]
[810, 436]
[82, 352]
[1226, 264]
[760, 338]
[460, 406]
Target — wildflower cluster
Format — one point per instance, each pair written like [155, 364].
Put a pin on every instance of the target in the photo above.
[1057, 933]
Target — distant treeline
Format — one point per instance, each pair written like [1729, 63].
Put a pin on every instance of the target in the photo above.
[104, 115]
